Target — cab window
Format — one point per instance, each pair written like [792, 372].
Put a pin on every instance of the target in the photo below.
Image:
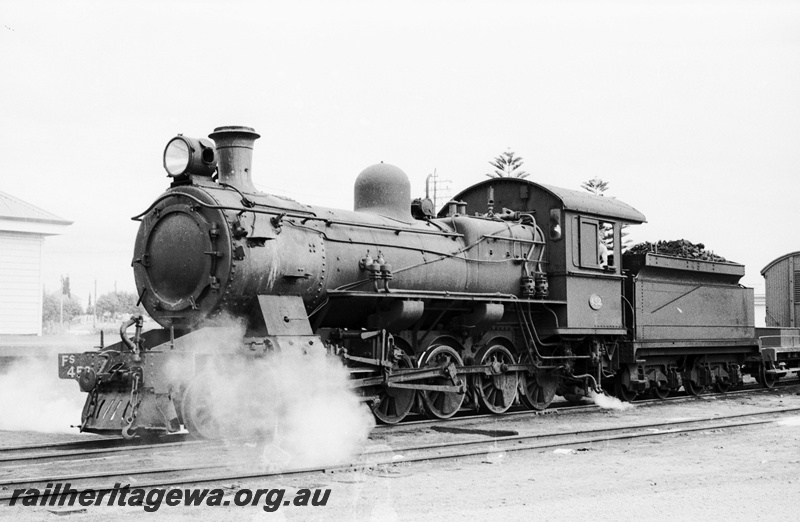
[596, 243]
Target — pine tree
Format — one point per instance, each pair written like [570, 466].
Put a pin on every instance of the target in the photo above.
[598, 187]
[507, 165]
[595, 185]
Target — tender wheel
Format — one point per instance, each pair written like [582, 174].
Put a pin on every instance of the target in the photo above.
[692, 388]
[198, 413]
[722, 387]
[621, 390]
[537, 390]
[623, 393]
[395, 403]
[659, 393]
[495, 392]
[440, 404]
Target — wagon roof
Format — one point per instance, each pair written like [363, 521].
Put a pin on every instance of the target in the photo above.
[778, 260]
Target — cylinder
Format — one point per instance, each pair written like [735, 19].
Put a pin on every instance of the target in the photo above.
[235, 150]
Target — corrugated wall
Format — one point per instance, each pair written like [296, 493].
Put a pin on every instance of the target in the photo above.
[20, 283]
[779, 289]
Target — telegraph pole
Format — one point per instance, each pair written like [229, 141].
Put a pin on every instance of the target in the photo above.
[441, 189]
[61, 305]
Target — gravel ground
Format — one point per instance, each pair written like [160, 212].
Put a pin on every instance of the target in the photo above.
[749, 473]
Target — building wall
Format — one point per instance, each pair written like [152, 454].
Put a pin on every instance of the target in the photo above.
[20, 283]
[760, 313]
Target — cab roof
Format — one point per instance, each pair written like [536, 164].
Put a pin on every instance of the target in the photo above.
[574, 200]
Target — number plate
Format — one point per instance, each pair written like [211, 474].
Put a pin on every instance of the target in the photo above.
[70, 365]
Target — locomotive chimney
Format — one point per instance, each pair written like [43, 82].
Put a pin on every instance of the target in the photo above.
[235, 151]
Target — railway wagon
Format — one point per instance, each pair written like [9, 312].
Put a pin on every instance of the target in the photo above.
[782, 291]
[780, 340]
[515, 292]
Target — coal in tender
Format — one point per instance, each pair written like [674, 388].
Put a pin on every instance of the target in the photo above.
[677, 248]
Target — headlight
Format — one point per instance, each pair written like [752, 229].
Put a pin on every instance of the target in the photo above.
[184, 155]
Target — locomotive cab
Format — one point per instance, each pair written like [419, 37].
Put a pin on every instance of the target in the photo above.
[582, 262]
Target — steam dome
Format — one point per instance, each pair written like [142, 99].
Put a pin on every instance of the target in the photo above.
[384, 189]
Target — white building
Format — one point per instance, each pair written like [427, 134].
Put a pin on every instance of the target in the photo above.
[23, 228]
[760, 310]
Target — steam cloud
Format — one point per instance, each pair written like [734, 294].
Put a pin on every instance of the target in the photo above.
[609, 403]
[299, 405]
[35, 399]
[324, 420]
[298, 402]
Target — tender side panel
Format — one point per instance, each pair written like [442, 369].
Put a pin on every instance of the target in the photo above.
[692, 311]
[699, 302]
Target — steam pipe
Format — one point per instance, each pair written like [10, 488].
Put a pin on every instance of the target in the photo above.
[133, 346]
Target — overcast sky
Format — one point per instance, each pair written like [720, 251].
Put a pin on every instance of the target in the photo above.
[691, 110]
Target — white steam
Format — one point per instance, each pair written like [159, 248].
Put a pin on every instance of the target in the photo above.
[609, 403]
[324, 420]
[33, 398]
[298, 402]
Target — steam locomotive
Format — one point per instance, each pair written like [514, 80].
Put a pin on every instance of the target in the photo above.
[508, 295]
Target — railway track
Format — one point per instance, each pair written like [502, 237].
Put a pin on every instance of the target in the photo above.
[111, 445]
[380, 460]
[78, 449]
[238, 464]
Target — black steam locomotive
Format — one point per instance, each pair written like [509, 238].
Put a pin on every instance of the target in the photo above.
[514, 291]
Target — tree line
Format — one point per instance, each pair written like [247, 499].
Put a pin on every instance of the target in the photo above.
[109, 306]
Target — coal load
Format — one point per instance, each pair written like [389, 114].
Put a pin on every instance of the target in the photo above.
[678, 248]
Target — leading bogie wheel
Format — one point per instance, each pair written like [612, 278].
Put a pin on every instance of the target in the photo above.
[441, 404]
[692, 388]
[212, 408]
[198, 411]
[495, 392]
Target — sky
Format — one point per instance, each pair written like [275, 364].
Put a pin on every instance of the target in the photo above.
[690, 110]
